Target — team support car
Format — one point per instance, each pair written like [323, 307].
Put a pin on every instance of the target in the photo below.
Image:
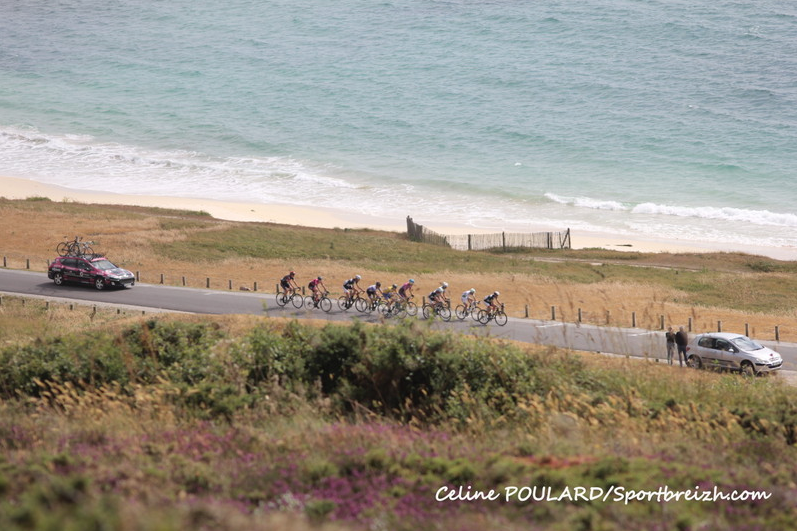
[89, 269]
[731, 351]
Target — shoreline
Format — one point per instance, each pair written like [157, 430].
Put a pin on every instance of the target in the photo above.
[329, 218]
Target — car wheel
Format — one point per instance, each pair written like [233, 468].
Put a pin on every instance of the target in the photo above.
[695, 362]
[58, 278]
[99, 283]
[748, 369]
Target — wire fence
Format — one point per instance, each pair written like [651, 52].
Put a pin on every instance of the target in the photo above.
[481, 242]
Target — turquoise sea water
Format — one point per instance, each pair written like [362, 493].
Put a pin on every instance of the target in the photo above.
[672, 119]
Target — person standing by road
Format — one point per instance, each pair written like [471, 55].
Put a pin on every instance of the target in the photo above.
[670, 336]
[681, 340]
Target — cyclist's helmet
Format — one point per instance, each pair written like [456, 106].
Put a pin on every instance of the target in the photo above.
[395, 286]
[378, 284]
[357, 277]
[472, 290]
[292, 273]
[319, 278]
[445, 285]
[496, 293]
[412, 281]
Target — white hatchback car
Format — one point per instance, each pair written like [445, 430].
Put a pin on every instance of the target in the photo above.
[731, 351]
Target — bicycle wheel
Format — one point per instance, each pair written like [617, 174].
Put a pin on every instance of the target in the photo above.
[362, 305]
[344, 303]
[282, 299]
[411, 308]
[461, 312]
[309, 303]
[62, 249]
[426, 312]
[445, 313]
[297, 300]
[484, 317]
[86, 249]
[325, 304]
[500, 318]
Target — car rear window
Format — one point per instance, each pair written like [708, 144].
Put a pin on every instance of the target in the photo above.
[706, 342]
[745, 343]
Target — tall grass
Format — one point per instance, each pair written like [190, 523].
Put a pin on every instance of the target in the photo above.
[185, 423]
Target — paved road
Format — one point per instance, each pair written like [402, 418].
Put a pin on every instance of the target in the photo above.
[633, 342]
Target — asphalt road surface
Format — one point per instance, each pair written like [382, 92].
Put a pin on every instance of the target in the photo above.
[633, 342]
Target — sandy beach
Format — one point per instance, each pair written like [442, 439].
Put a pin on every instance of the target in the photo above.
[323, 217]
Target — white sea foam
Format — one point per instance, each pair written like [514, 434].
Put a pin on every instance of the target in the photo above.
[756, 217]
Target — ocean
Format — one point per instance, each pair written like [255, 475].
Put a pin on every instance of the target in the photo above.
[650, 119]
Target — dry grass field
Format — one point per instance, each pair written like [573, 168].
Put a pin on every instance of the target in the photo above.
[608, 287]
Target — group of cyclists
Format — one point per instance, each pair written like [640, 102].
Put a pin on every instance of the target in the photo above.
[391, 294]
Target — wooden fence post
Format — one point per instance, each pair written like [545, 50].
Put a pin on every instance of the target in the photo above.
[183, 280]
[719, 326]
[527, 311]
[633, 319]
[503, 240]
[747, 329]
[229, 284]
[608, 316]
[5, 263]
[661, 322]
[690, 324]
[579, 315]
[255, 287]
[27, 263]
[138, 276]
[553, 313]
[469, 244]
[161, 278]
[207, 282]
[777, 333]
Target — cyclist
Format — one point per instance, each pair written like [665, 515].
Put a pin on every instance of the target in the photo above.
[468, 298]
[438, 296]
[288, 282]
[313, 285]
[388, 294]
[406, 288]
[352, 287]
[442, 294]
[374, 291]
[492, 301]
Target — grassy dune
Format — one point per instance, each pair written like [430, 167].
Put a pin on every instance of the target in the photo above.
[732, 288]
